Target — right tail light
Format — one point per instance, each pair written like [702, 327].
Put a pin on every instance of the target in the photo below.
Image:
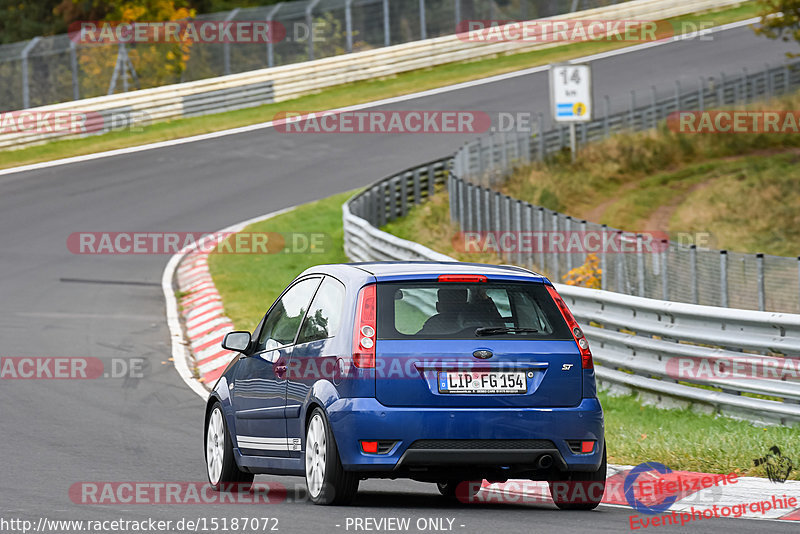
[577, 333]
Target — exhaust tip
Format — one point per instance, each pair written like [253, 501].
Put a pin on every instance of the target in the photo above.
[545, 461]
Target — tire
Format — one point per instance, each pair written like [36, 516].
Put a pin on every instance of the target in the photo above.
[590, 496]
[463, 490]
[221, 469]
[326, 480]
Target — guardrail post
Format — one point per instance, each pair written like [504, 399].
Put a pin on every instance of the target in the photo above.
[639, 265]
[423, 30]
[418, 193]
[607, 106]
[403, 196]
[270, 45]
[486, 197]
[431, 180]
[677, 95]
[760, 281]
[721, 90]
[226, 46]
[503, 151]
[693, 272]
[664, 272]
[745, 85]
[26, 93]
[387, 38]
[723, 278]
[310, 23]
[603, 270]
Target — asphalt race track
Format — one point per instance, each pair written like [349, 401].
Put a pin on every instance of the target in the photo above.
[56, 433]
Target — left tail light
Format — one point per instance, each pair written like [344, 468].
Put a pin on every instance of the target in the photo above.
[364, 333]
[577, 333]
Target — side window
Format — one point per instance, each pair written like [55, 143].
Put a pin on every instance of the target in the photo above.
[283, 320]
[325, 313]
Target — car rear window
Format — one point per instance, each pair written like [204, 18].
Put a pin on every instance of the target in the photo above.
[427, 309]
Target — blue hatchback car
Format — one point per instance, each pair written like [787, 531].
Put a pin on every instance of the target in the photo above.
[439, 372]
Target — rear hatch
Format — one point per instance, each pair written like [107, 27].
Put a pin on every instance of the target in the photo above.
[488, 343]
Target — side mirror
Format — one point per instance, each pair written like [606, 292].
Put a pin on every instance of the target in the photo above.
[236, 341]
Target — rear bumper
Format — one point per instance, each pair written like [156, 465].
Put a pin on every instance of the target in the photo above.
[548, 429]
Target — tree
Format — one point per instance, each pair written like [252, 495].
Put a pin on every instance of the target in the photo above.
[780, 19]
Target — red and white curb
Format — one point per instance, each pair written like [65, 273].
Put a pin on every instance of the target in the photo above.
[698, 497]
[197, 322]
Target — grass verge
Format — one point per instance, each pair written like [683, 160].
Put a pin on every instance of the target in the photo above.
[680, 439]
[741, 190]
[340, 96]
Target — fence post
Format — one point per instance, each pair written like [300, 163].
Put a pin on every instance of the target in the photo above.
[723, 278]
[603, 270]
[639, 265]
[620, 282]
[507, 221]
[584, 255]
[468, 224]
[451, 183]
[457, 13]
[540, 228]
[423, 30]
[518, 229]
[310, 23]
[487, 208]
[73, 64]
[760, 281]
[693, 272]
[226, 46]
[461, 186]
[631, 117]
[565, 235]
[721, 90]
[787, 82]
[26, 92]
[387, 37]
[541, 136]
[664, 273]
[700, 95]
[798, 282]
[745, 85]
[529, 231]
[654, 107]
[768, 81]
[607, 106]
[270, 45]
[677, 95]
[556, 270]
[348, 24]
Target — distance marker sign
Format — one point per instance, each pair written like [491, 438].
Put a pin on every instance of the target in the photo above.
[571, 92]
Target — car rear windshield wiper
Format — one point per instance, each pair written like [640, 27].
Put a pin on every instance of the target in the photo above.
[495, 330]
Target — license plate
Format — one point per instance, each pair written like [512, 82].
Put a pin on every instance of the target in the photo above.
[507, 382]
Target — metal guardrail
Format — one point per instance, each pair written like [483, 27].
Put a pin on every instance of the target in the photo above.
[676, 271]
[633, 339]
[278, 83]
